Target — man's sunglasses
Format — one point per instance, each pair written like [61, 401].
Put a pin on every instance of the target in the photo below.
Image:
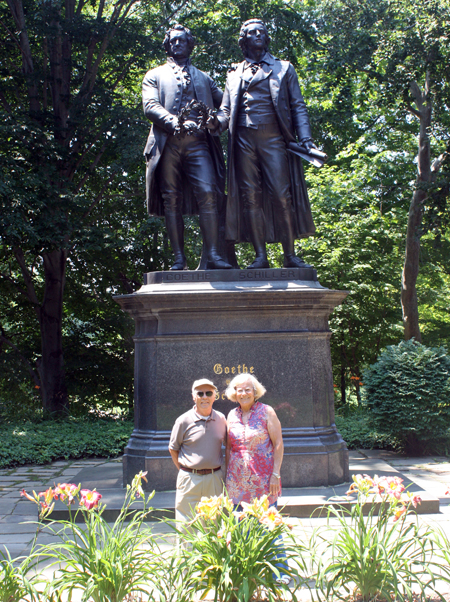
[207, 393]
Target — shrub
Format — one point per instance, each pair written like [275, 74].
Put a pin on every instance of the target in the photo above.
[49, 440]
[359, 432]
[407, 392]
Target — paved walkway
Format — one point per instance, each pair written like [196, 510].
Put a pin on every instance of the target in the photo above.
[16, 514]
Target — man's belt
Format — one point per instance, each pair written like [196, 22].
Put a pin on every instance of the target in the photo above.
[201, 471]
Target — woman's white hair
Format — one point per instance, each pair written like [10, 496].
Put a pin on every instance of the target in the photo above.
[242, 378]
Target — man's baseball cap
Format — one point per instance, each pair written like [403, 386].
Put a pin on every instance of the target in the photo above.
[203, 381]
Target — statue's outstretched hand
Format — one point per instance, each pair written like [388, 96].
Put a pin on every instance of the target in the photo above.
[308, 144]
[212, 122]
[191, 127]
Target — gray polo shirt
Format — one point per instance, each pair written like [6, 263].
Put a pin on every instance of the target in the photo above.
[198, 439]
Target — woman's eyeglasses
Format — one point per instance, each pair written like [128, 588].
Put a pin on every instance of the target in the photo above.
[207, 393]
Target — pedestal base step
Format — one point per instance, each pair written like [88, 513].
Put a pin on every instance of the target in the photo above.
[302, 502]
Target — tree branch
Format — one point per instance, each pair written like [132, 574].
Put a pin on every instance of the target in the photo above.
[98, 197]
[21, 290]
[80, 6]
[100, 9]
[70, 9]
[83, 154]
[92, 166]
[414, 111]
[436, 166]
[30, 290]
[44, 71]
[12, 36]
[5, 103]
[122, 18]
[16, 8]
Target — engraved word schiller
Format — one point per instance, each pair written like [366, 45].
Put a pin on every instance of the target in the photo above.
[270, 274]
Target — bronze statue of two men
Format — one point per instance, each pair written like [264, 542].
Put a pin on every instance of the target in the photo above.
[263, 109]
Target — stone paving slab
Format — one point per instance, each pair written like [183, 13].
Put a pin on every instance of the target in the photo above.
[12, 539]
[17, 528]
[16, 550]
[16, 518]
[6, 507]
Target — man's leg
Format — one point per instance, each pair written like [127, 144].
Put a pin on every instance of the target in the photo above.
[170, 184]
[190, 489]
[200, 171]
[273, 160]
[212, 484]
[248, 174]
[188, 494]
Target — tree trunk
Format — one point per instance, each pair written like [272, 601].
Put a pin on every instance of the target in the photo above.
[410, 310]
[358, 392]
[413, 445]
[410, 272]
[343, 383]
[51, 367]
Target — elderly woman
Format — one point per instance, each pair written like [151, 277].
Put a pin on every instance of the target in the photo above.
[254, 449]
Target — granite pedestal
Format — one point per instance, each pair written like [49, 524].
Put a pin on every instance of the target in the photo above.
[215, 324]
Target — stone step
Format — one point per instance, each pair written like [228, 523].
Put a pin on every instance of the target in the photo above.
[302, 502]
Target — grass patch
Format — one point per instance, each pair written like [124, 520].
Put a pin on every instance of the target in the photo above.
[49, 440]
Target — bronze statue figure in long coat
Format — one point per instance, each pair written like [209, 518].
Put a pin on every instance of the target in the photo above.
[264, 109]
[185, 171]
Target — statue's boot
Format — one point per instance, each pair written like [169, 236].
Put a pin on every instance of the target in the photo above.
[257, 236]
[175, 230]
[290, 259]
[209, 225]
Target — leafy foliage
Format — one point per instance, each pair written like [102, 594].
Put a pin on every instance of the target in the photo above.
[77, 187]
[30, 443]
[238, 554]
[373, 556]
[103, 561]
[358, 432]
[407, 392]
[358, 249]
[17, 578]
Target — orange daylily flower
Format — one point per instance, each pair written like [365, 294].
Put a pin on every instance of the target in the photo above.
[90, 499]
[271, 518]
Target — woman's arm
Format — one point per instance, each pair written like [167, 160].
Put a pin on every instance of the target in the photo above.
[227, 449]
[275, 434]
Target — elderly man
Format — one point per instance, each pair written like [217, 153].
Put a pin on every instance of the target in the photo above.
[185, 167]
[264, 109]
[196, 449]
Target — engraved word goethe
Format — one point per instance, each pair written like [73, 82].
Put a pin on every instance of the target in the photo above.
[229, 371]
[239, 369]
